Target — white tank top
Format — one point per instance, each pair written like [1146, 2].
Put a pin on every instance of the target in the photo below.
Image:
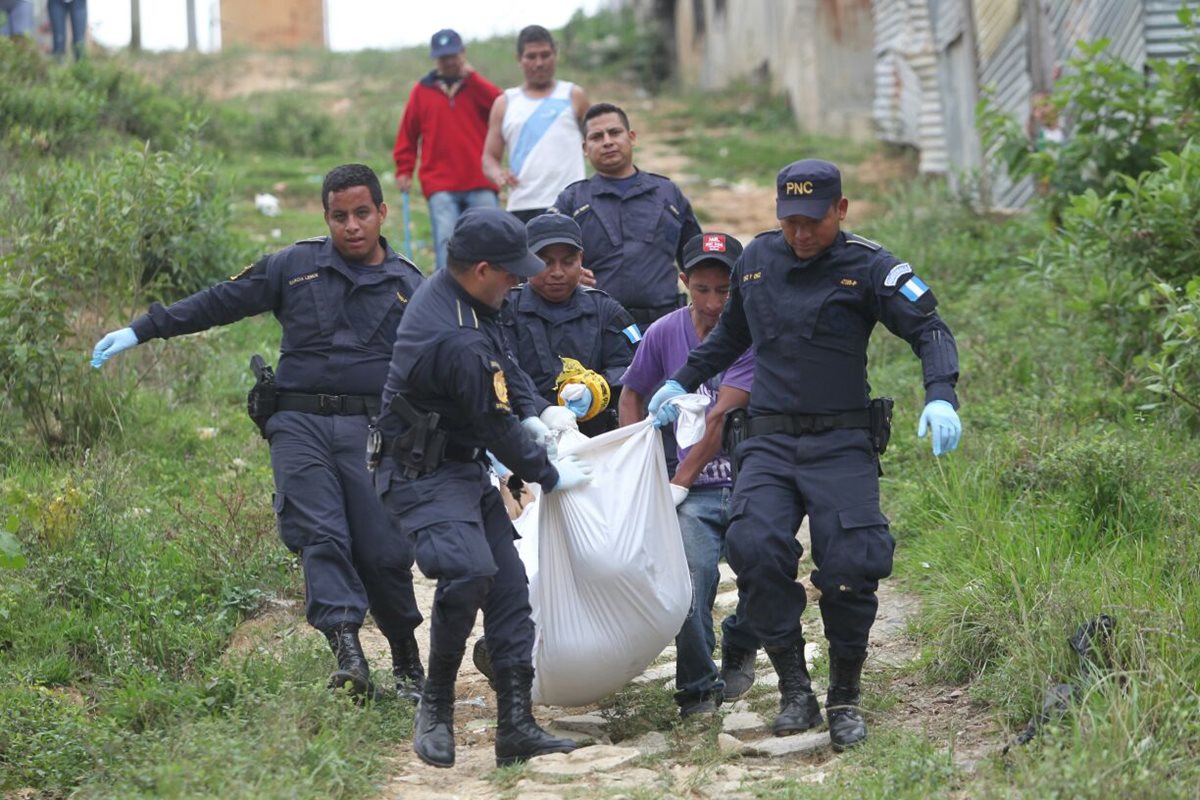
[545, 147]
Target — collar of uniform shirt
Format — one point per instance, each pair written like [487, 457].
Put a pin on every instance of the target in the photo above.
[802, 263]
[480, 307]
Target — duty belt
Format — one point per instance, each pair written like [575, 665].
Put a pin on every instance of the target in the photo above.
[451, 452]
[345, 405]
[806, 424]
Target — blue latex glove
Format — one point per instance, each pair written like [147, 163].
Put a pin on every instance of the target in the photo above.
[665, 413]
[501, 471]
[572, 473]
[943, 424]
[113, 343]
[581, 399]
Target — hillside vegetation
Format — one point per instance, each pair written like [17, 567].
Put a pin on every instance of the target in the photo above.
[136, 534]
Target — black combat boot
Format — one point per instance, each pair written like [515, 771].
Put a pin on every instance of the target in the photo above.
[737, 670]
[518, 736]
[798, 709]
[483, 661]
[846, 725]
[353, 672]
[433, 731]
[407, 669]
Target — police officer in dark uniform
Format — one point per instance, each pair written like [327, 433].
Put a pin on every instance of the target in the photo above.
[807, 297]
[552, 318]
[634, 223]
[453, 391]
[338, 299]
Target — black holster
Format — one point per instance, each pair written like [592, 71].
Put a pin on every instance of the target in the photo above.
[261, 399]
[880, 411]
[733, 433]
[422, 447]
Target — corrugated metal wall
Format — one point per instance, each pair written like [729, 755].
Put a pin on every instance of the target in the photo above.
[907, 108]
[1164, 34]
[931, 54]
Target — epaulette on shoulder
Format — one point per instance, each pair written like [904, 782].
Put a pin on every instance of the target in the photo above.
[313, 240]
[863, 241]
[766, 232]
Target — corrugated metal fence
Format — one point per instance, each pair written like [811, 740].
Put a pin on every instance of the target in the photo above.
[932, 55]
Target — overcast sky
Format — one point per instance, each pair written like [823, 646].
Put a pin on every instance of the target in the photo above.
[353, 24]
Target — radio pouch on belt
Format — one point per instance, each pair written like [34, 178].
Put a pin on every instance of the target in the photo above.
[732, 434]
[260, 401]
[880, 410]
[420, 449]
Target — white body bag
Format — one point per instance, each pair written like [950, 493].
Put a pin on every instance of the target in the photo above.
[608, 578]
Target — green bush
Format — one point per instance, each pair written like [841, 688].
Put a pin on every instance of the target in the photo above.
[1118, 121]
[86, 242]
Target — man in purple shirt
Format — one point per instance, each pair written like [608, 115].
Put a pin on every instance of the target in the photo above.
[702, 482]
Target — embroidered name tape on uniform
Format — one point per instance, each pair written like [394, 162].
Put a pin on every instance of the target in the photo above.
[898, 272]
[751, 276]
[402, 298]
[242, 274]
[848, 282]
[914, 288]
[633, 333]
[302, 278]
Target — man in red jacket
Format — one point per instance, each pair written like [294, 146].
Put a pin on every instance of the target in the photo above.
[447, 114]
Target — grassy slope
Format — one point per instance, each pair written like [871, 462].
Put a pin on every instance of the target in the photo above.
[147, 553]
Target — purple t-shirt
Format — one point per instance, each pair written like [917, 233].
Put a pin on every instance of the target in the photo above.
[664, 348]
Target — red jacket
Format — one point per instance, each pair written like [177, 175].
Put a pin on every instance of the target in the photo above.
[450, 129]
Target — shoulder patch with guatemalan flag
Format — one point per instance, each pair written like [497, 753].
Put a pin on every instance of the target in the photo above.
[633, 333]
[914, 288]
[897, 272]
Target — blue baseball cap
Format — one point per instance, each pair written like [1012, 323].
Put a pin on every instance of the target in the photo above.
[807, 187]
[495, 236]
[547, 229]
[445, 42]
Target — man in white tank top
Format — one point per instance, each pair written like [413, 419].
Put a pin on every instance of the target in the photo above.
[539, 123]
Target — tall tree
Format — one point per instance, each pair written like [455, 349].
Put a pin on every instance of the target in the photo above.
[191, 15]
[135, 25]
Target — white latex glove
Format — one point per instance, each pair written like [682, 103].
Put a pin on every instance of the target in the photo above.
[559, 418]
[679, 494]
[541, 434]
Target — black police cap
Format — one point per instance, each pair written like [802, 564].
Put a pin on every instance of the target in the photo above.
[547, 229]
[495, 236]
[807, 187]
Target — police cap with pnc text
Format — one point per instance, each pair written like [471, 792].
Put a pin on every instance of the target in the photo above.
[807, 188]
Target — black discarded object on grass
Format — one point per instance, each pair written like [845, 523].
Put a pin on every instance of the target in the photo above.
[1092, 642]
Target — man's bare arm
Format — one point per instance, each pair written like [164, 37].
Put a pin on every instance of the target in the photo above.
[493, 146]
[704, 450]
[630, 408]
